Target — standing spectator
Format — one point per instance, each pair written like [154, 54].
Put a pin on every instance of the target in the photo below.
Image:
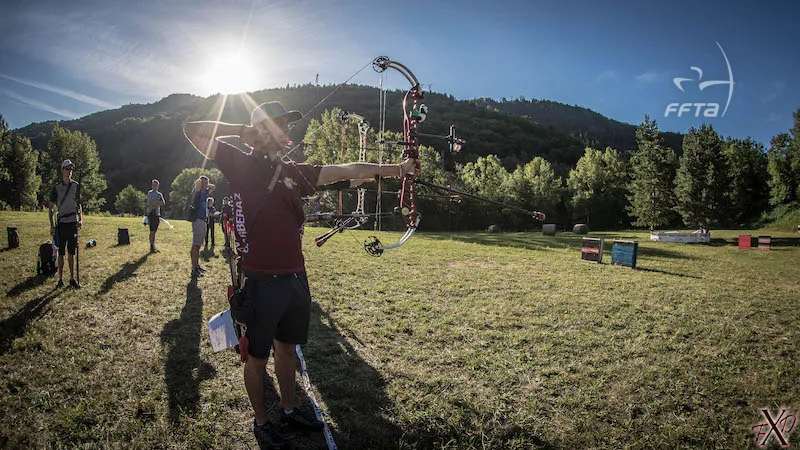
[155, 200]
[66, 204]
[227, 214]
[199, 194]
[212, 214]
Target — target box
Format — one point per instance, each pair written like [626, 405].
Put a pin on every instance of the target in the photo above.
[592, 250]
[623, 253]
[745, 241]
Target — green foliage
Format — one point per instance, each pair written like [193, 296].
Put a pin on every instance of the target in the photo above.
[598, 185]
[131, 201]
[784, 165]
[182, 186]
[5, 137]
[651, 198]
[702, 179]
[485, 177]
[534, 186]
[747, 194]
[782, 180]
[784, 217]
[325, 145]
[582, 124]
[82, 151]
[18, 180]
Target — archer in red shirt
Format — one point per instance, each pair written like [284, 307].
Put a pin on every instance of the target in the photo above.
[266, 196]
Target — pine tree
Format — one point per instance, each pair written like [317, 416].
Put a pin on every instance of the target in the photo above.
[652, 174]
[5, 144]
[747, 194]
[18, 160]
[782, 183]
[702, 179]
[784, 165]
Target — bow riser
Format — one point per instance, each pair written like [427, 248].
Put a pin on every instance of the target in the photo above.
[408, 207]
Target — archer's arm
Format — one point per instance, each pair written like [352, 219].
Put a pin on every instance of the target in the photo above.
[363, 171]
[160, 202]
[203, 135]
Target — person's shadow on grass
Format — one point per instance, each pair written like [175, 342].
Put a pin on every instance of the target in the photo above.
[183, 369]
[128, 270]
[30, 283]
[353, 392]
[15, 326]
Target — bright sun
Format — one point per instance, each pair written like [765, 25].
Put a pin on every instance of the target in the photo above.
[229, 74]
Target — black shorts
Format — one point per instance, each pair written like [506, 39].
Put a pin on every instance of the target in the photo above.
[153, 220]
[67, 237]
[282, 311]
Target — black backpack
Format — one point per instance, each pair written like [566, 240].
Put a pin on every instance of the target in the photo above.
[46, 264]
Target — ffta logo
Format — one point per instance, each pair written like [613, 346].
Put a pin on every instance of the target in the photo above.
[708, 109]
[779, 426]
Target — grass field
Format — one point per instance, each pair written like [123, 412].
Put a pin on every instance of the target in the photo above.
[452, 341]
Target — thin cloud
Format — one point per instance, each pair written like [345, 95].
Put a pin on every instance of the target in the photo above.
[648, 77]
[777, 89]
[36, 104]
[774, 117]
[608, 75]
[145, 54]
[64, 92]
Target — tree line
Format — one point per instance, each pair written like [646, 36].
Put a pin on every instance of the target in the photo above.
[712, 182]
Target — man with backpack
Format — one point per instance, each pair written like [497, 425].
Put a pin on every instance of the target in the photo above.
[66, 204]
[268, 213]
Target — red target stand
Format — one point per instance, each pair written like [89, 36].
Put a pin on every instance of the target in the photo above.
[592, 250]
[745, 242]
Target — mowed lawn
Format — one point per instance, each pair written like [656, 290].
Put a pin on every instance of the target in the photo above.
[462, 340]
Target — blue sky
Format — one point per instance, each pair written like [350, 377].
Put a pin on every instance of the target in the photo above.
[66, 59]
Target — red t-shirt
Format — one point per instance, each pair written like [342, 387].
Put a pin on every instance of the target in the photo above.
[273, 244]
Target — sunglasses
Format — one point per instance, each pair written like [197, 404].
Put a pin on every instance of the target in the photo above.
[70, 168]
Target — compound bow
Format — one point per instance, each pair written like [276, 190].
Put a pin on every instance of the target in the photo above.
[414, 113]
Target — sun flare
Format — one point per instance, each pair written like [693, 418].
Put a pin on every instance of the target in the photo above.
[229, 74]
